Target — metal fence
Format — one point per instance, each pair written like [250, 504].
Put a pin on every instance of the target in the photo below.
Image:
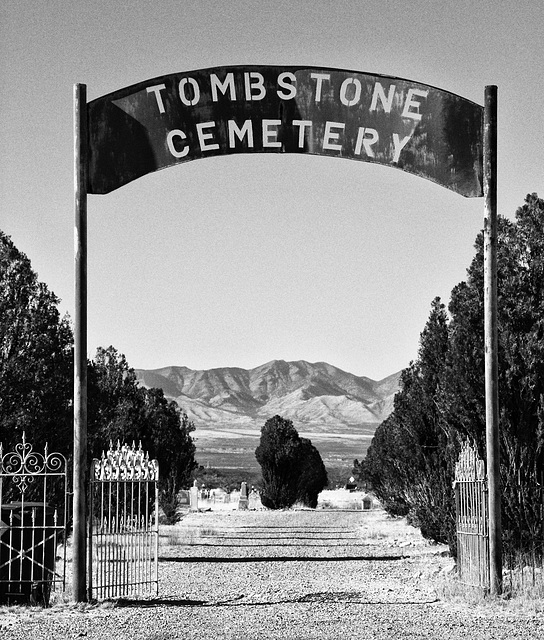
[123, 528]
[472, 519]
[32, 529]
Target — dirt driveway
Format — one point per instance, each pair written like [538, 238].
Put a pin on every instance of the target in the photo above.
[285, 575]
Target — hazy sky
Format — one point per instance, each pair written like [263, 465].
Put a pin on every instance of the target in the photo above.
[238, 260]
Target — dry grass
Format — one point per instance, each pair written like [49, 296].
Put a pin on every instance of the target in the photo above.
[523, 587]
[517, 601]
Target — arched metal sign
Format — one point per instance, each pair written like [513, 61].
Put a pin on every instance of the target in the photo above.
[185, 116]
[229, 110]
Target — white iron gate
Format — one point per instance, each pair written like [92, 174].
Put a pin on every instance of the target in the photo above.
[123, 524]
[32, 529]
[471, 502]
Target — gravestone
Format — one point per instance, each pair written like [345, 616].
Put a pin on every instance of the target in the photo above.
[193, 497]
[184, 498]
[243, 502]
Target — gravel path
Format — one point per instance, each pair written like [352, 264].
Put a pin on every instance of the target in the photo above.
[284, 575]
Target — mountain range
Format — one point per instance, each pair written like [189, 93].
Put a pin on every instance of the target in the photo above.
[316, 394]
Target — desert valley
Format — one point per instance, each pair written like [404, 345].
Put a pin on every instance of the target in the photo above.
[338, 411]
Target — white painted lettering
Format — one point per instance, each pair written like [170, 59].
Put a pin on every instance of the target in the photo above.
[291, 89]
[411, 106]
[203, 137]
[302, 126]
[379, 92]
[227, 84]
[270, 134]
[399, 145]
[254, 81]
[235, 130]
[176, 133]
[331, 135]
[349, 102]
[188, 101]
[319, 77]
[156, 89]
[366, 137]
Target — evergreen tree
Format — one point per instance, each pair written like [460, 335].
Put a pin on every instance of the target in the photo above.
[292, 468]
[520, 255]
[411, 459]
[313, 475]
[36, 384]
[35, 358]
[121, 410]
[278, 454]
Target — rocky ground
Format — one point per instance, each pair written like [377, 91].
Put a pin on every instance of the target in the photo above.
[288, 575]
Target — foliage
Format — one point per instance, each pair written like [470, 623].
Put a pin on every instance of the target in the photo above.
[292, 468]
[36, 384]
[521, 365]
[382, 470]
[278, 455]
[338, 475]
[409, 461]
[312, 477]
[121, 410]
[35, 358]
[227, 479]
[442, 399]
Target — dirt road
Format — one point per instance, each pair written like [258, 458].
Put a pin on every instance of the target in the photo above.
[285, 575]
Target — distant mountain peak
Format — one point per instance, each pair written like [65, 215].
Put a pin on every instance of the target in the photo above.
[308, 393]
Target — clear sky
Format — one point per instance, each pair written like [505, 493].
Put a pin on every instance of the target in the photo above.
[238, 260]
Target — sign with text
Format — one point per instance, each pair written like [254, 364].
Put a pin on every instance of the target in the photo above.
[269, 109]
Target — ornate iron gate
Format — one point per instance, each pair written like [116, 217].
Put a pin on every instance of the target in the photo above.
[31, 529]
[123, 524]
[471, 502]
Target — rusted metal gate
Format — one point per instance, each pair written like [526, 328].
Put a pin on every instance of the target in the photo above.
[123, 524]
[471, 501]
[32, 529]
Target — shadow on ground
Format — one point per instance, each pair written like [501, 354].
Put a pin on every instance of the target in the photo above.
[284, 559]
[352, 597]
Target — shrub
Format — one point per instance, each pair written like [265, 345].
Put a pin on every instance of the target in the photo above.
[292, 468]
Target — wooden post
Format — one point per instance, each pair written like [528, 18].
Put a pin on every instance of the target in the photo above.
[80, 345]
[491, 339]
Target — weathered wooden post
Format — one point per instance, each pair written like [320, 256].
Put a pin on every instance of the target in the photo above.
[491, 339]
[79, 578]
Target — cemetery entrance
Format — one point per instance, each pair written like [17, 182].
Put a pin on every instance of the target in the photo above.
[336, 113]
